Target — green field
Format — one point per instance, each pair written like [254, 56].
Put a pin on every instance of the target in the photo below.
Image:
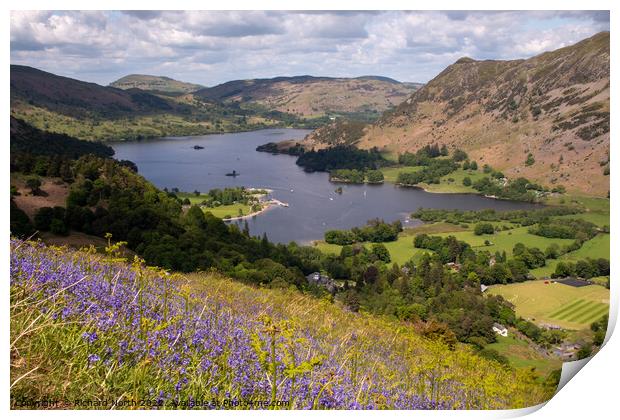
[231, 210]
[506, 240]
[597, 247]
[391, 173]
[453, 182]
[555, 303]
[596, 210]
[521, 355]
[401, 250]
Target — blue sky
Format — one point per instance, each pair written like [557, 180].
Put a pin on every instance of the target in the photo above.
[217, 46]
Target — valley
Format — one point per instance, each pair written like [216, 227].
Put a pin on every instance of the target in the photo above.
[316, 242]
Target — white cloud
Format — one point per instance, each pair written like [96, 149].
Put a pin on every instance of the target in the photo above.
[213, 47]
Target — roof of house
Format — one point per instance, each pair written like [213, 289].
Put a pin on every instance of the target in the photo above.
[498, 326]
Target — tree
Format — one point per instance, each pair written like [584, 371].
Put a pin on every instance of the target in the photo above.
[43, 218]
[473, 166]
[34, 183]
[459, 155]
[58, 227]
[585, 351]
[530, 160]
[381, 252]
[371, 274]
[483, 228]
[553, 251]
[467, 181]
[374, 176]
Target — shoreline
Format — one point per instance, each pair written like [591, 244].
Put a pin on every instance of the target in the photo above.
[468, 193]
[267, 205]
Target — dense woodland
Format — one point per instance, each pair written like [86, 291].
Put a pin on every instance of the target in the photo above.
[340, 157]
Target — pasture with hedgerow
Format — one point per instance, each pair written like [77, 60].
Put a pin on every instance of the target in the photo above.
[269, 236]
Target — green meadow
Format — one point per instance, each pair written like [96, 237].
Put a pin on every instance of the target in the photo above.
[597, 247]
[401, 250]
[453, 182]
[390, 173]
[520, 354]
[505, 240]
[555, 303]
[223, 212]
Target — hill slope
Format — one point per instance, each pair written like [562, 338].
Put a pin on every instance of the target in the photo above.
[129, 332]
[158, 84]
[92, 112]
[76, 98]
[311, 97]
[554, 106]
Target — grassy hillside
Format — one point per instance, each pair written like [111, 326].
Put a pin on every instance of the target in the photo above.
[142, 106]
[158, 84]
[553, 107]
[313, 97]
[92, 112]
[86, 327]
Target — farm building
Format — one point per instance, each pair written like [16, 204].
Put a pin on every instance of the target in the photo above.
[567, 351]
[454, 265]
[483, 287]
[500, 329]
[572, 281]
[321, 280]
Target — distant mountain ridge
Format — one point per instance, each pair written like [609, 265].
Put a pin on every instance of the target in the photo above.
[554, 107]
[311, 96]
[77, 98]
[159, 84]
[89, 111]
[143, 106]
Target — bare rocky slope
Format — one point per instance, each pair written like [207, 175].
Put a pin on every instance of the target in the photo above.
[554, 106]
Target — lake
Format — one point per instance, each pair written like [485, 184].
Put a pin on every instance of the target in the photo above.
[314, 206]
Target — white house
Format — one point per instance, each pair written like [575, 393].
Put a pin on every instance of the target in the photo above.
[483, 287]
[500, 329]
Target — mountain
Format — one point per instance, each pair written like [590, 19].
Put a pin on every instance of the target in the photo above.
[155, 84]
[89, 111]
[554, 106]
[363, 97]
[24, 138]
[76, 98]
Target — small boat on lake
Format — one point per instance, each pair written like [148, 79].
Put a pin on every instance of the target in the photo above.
[196, 147]
[233, 173]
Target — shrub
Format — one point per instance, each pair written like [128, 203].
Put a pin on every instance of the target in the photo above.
[483, 228]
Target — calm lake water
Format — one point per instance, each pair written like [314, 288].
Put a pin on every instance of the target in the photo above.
[314, 206]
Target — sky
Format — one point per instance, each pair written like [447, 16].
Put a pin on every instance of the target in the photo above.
[213, 47]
